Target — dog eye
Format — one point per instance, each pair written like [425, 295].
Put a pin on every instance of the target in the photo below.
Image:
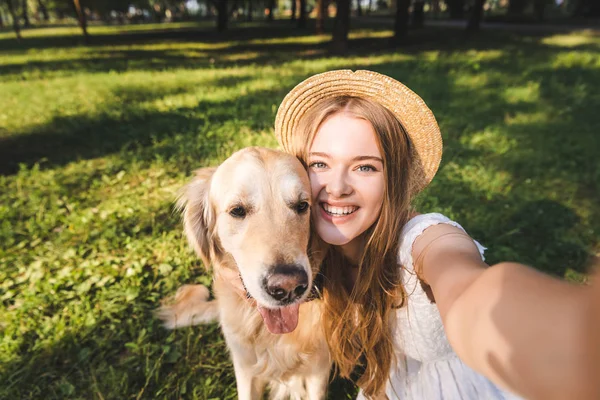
[238, 212]
[302, 207]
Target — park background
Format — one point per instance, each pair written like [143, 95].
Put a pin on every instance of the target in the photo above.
[107, 107]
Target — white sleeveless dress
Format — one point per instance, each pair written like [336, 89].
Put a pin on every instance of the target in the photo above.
[428, 368]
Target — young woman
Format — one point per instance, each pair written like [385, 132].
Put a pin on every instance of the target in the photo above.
[408, 297]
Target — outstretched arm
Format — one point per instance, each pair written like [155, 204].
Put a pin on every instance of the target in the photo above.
[526, 331]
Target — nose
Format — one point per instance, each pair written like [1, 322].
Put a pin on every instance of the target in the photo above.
[338, 185]
[286, 282]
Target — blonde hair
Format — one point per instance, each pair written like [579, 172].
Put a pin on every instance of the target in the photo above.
[357, 322]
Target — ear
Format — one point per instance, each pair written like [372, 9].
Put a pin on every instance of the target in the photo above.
[198, 215]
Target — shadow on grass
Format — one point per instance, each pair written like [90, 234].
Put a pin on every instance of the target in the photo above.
[124, 351]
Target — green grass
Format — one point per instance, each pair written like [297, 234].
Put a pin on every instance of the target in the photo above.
[96, 140]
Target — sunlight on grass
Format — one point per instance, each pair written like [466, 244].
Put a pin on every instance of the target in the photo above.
[529, 93]
[494, 140]
[573, 40]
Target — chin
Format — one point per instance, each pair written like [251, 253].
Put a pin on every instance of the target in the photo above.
[334, 238]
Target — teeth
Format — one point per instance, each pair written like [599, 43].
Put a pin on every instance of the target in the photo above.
[338, 211]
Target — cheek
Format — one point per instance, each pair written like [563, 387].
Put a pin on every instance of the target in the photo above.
[376, 193]
[315, 185]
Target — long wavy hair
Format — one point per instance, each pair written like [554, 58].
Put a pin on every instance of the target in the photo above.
[358, 318]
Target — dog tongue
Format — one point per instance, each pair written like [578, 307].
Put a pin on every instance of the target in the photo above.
[281, 320]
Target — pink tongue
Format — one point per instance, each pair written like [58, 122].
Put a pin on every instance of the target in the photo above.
[282, 320]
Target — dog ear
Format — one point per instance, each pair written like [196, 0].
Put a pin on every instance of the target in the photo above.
[198, 215]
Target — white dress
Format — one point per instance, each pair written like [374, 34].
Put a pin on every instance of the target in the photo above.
[428, 368]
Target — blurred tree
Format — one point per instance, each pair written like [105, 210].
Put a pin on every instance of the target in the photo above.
[15, 19]
[475, 16]
[341, 26]
[456, 8]
[358, 8]
[44, 10]
[234, 8]
[516, 7]
[25, 14]
[81, 17]
[418, 14]
[222, 14]
[321, 16]
[587, 8]
[369, 7]
[294, 6]
[302, 14]
[539, 9]
[401, 21]
[249, 10]
[270, 8]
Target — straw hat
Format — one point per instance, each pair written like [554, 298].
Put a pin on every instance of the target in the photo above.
[412, 112]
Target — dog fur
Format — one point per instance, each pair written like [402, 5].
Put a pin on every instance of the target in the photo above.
[271, 187]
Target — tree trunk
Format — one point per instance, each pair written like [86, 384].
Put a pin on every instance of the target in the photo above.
[294, 4]
[321, 15]
[418, 14]
[1, 19]
[249, 11]
[476, 16]
[358, 8]
[79, 11]
[44, 11]
[369, 7]
[222, 15]
[517, 7]
[341, 27]
[234, 8]
[539, 8]
[401, 21]
[25, 10]
[456, 8]
[270, 7]
[15, 19]
[302, 14]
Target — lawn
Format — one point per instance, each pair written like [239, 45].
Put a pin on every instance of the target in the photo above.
[95, 142]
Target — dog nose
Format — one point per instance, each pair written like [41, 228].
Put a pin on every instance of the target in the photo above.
[286, 282]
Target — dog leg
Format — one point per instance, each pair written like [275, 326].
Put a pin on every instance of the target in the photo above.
[248, 386]
[316, 385]
[190, 307]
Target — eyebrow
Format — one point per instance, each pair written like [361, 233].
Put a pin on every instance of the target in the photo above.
[358, 158]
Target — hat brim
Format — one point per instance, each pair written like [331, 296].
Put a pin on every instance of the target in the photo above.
[411, 111]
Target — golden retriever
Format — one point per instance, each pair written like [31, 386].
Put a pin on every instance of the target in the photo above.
[249, 218]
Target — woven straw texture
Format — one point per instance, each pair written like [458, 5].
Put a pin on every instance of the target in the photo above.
[412, 112]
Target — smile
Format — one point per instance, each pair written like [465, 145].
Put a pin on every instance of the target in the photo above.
[338, 211]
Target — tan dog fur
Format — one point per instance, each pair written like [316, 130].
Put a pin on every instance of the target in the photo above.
[268, 184]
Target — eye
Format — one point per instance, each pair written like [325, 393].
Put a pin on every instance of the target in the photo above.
[366, 168]
[318, 165]
[302, 207]
[238, 212]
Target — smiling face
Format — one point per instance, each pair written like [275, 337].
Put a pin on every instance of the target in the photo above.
[347, 181]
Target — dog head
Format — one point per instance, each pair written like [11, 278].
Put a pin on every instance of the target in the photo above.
[255, 209]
